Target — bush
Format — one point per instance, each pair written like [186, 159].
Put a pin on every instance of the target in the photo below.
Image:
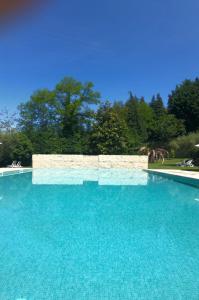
[15, 146]
[184, 146]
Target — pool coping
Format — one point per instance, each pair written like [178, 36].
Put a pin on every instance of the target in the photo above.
[13, 171]
[186, 177]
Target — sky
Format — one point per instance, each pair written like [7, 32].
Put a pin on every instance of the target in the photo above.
[120, 45]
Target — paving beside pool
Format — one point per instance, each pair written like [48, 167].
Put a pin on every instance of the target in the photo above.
[188, 174]
[14, 170]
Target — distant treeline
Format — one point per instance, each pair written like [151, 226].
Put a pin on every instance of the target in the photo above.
[72, 119]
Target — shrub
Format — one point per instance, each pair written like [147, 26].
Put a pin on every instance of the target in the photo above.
[184, 146]
[15, 146]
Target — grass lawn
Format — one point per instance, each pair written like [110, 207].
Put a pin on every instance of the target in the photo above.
[171, 164]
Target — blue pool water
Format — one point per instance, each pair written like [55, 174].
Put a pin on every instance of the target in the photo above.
[98, 234]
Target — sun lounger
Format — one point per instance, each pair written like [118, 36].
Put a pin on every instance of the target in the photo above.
[13, 165]
[186, 163]
[18, 165]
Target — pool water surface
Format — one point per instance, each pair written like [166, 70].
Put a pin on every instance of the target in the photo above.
[98, 234]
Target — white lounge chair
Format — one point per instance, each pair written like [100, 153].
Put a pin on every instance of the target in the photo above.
[13, 165]
[186, 163]
[18, 165]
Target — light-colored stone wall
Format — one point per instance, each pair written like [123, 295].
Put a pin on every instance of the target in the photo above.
[86, 161]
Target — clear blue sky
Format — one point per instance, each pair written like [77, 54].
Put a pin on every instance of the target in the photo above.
[121, 45]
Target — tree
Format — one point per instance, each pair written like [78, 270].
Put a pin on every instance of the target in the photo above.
[59, 118]
[134, 119]
[146, 115]
[22, 149]
[184, 103]
[38, 120]
[110, 133]
[164, 129]
[39, 113]
[73, 99]
[15, 146]
[7, 121]
[157, 106]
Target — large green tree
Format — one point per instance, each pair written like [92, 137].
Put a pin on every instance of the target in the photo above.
[157, 106]
[57, 121]
[73, 100]
[134, 119]
[184, 103]
[164, 129]
[146, 116]
[110, 133]
[39, 113]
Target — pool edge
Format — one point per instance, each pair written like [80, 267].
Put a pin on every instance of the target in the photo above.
[177, 175]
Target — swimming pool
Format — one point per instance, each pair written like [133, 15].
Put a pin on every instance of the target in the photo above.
[98, 234]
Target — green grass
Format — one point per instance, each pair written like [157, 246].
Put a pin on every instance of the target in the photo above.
[171, 164]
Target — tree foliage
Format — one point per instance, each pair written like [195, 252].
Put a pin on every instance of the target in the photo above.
[184, 104]
[72, 102]
[157, 106]
[110, 133]
[68, 120]
[135, 120]
[164, 129]
[184, 146]
[58, 120]
[15, 146]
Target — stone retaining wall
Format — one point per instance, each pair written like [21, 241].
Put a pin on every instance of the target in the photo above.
[86, 161]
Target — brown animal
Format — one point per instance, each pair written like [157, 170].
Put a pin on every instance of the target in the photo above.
[154, 154]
